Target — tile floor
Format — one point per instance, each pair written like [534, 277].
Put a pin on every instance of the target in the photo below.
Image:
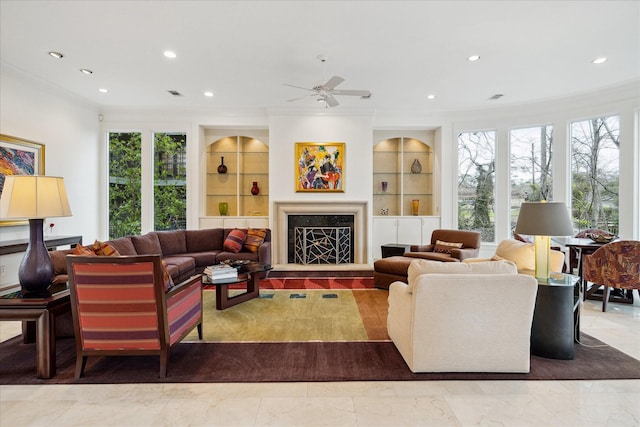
[433, 403]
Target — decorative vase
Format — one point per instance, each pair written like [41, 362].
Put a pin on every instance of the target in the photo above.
[223, 207]
[415, 206]
[384, 186]
[254, 189]
[222, 168]
[416, 167]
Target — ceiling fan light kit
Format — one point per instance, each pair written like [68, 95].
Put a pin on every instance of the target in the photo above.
[326, 91]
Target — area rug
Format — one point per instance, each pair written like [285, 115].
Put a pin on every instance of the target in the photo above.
[300, 315]
[292, 361]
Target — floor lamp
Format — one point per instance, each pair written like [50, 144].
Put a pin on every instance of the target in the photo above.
[34, 198]
[542, 220]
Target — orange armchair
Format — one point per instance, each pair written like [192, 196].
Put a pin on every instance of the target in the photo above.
[121, 307]
[614, 265]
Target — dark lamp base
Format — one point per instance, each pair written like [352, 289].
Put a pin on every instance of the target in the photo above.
[36, 270]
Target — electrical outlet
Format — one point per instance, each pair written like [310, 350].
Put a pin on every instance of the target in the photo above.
[3, 270]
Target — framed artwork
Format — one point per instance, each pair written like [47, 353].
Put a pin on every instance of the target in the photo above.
[19, 157]
[320, 166]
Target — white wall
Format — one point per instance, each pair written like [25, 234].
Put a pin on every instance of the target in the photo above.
[69, 128]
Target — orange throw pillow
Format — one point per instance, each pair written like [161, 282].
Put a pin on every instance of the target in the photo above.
[104, 249]
[255, 237]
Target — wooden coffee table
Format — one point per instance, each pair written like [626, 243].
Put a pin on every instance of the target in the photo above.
[249, 273]
[42, 312]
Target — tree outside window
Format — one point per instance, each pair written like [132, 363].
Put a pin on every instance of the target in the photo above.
[170, 181]
[530, 170]
[125, 205]
[595, 173]
[476, 183]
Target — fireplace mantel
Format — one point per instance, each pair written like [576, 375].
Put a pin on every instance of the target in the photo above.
[282, 209]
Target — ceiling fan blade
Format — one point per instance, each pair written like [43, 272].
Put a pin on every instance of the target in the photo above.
[331, 101]
[299, 98]
[351, 92]
[299, 87]
[333, 82]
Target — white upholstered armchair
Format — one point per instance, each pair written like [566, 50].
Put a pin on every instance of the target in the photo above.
[456, 317]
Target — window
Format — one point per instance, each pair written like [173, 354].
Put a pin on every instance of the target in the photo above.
[595, 173]
[170, 181]
[530, 167]
[124, 184]
[476, 182]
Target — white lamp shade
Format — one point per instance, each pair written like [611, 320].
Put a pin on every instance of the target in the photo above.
[544, 219]
[27, 196]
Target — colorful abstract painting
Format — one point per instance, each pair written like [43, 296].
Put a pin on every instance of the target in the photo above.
[19, 157]
[320, 166]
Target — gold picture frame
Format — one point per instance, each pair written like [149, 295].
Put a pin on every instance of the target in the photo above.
[19, 157]
[320, 166]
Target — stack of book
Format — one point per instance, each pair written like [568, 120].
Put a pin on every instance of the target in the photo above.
[221, 273]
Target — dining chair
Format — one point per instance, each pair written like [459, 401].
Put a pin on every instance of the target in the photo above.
[614, 265]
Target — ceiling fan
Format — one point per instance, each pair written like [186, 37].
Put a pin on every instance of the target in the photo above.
[326, 91]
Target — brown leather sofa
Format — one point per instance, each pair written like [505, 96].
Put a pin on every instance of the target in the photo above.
[454, 246]
[186, 252]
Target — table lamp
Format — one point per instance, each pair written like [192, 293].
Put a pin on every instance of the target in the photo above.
[34, 198]
[542, 220]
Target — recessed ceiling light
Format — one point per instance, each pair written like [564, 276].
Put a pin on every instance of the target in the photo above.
[600, 60]
[169, 54]
[86, 71]
[102, 90]
[473, 58]
[56, 55]
[431, 96]
[208, 93]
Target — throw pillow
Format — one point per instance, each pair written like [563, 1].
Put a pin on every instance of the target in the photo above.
[255, 237]
[83, 250]
[168, 281]
[234, 241]
[104, 249]
[445, 247]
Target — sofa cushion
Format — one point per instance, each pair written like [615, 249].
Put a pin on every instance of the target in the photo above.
[83, 250]
[255, 237]
[203, 259]
[234, 241]
[172, 242]
[423, 266]
[185, 264]
[445, 247]
[204, 240]
[104, 249]
[523, 254]
[60, 261]
[147, 244]
[123, 245]
[166, 277]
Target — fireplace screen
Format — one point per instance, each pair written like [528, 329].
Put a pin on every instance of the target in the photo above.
[323, 245]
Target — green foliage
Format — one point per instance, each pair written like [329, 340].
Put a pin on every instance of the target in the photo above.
[124, 184]
[125, 178]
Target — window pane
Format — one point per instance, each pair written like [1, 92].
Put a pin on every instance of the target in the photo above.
[595, 170]
[124, 184]
[531, 160]
[170, 181]
[476, 176]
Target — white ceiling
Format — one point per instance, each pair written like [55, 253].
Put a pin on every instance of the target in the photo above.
[401, 51]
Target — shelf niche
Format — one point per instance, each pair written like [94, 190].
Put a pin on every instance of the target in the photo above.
[247, 161]
[392, 163]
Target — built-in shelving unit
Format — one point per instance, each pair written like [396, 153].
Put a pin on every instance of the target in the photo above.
[247, 161]
[392, 163]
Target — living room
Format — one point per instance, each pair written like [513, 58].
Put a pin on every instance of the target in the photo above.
[73, 127]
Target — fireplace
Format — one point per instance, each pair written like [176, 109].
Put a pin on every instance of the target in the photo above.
[320, 239]
[330, 219]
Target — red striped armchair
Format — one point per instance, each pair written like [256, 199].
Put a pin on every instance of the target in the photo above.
[121, 306]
